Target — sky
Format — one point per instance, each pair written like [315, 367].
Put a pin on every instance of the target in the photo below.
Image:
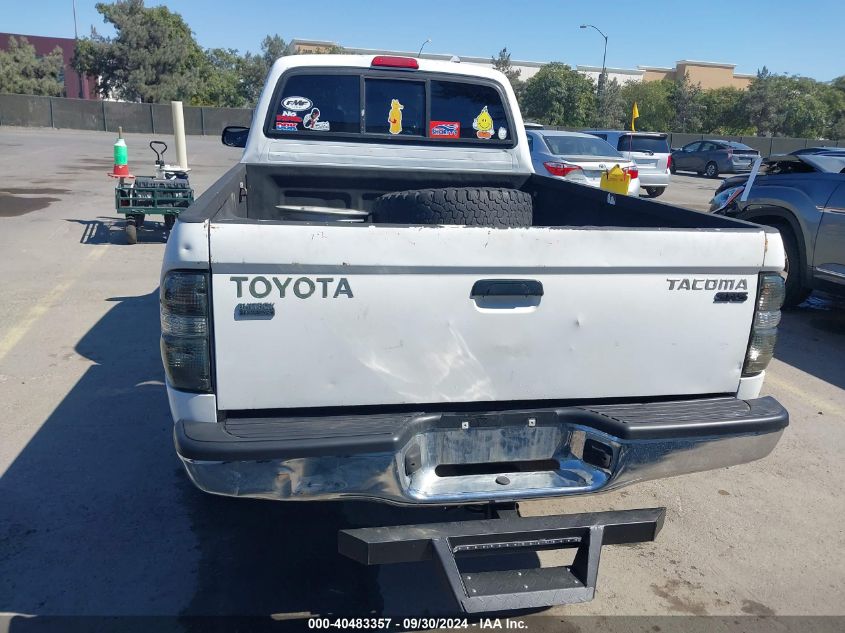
[803, 38]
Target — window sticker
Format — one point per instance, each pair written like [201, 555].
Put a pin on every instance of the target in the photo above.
[286, 126]
[503, 133]
[394, 117]
[297, 104]
[288, 115]
[483, 124]
[312, 121]
[444, 129]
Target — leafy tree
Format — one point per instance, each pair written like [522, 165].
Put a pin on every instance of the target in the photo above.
[684, 100]
[782, 105]
[839, 83]
[654, 102]
[152, 58]
[611, 108]
[722, 112]
[24, 72]
[834, 101]
[221, 80]
[558, 95]
[503, 64]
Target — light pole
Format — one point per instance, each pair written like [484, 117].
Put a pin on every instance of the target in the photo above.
[75, 47]
[423, 46]
[602, 78]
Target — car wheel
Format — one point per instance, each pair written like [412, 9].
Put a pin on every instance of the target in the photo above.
[796, 293]
[654, 192]
[711, 170]
[131, 231]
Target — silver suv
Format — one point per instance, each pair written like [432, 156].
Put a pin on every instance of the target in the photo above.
[650, 150]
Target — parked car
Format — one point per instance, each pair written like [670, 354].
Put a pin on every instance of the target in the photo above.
[803, 197]
[578, 157]
[650, 150]
[387, 304]
[712, 158]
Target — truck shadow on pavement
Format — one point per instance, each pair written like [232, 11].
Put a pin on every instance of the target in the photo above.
[811, 337]
[99, 519]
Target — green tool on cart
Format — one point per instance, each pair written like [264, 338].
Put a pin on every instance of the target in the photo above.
[167, 193]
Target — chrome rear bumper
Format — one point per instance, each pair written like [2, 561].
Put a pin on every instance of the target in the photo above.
[461, 458]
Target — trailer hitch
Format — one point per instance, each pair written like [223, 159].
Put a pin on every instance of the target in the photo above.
[507, 589]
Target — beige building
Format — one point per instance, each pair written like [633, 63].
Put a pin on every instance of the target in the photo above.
[708, 74]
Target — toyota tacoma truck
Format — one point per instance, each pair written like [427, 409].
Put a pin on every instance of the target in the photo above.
[381, 301]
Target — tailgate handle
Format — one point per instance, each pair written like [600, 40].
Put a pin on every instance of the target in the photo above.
[507, 288]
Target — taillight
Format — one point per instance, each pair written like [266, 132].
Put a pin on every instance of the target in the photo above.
[185, 330]
[669, 161]
[393, 61]
[764, 331]
[634, 172]
[563, 169]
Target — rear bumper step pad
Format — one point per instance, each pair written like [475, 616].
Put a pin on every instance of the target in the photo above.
[507, 589]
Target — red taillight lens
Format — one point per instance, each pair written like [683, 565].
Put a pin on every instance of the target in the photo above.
[392, 61]
[561, 169]
[669, 162]
[634, 172]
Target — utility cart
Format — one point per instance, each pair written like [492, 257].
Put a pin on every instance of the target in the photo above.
[167, 193]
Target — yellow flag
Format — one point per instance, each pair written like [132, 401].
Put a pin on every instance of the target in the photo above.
[635, 114]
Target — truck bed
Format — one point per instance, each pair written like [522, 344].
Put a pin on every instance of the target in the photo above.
[556, 202]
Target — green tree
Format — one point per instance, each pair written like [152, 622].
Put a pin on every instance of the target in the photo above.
[24, 72]
[611, 108]
[834, 100]
[558, 95]
[221, 80]
[722, 112]
[684, 99]
[152, 58]
[254, 67]
[503, 64]
[654, 103]
[782, 105]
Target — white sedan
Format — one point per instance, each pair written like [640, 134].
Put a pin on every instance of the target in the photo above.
[577, 157]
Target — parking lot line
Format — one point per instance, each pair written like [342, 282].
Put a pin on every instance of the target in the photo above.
[19, 329]
[802, 394]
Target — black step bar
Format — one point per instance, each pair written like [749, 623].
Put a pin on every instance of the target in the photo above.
[508, 589]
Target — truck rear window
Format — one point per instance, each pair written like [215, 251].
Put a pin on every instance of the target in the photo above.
[319, 103]
[418, 108]
[394, 107]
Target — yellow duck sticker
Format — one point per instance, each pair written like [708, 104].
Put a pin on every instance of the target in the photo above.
[394, 117]
[483, 124]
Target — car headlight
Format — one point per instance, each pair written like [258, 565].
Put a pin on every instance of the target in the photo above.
[726, 198]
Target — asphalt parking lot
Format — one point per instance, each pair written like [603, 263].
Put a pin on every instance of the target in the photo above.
[97, 517]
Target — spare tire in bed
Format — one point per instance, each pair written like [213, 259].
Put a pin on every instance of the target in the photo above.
[466, 206]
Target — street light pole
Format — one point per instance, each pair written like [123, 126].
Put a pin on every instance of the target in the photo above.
[423, 46]
[76, 46]
[603, 77]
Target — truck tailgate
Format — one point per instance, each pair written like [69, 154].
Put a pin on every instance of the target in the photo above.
[385, 315]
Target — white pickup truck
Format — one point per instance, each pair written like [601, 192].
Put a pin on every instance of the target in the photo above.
[382, 301]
